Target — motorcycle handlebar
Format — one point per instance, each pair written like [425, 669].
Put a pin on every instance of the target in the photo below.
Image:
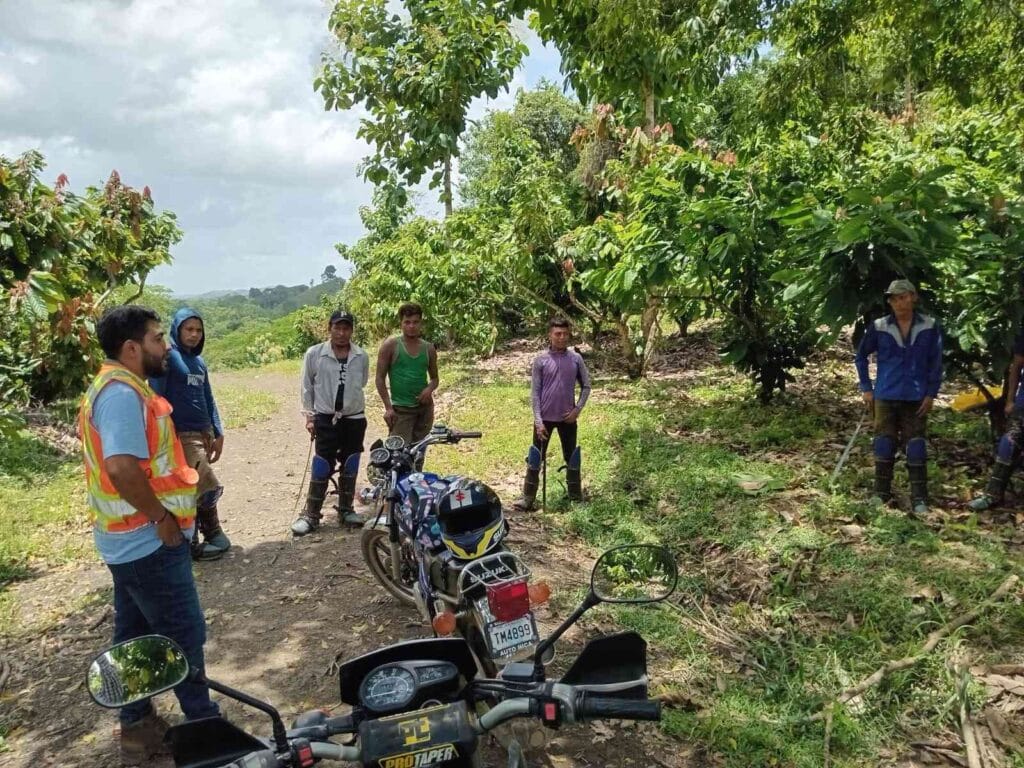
[264, 758]
[267, 758]
[590, 707]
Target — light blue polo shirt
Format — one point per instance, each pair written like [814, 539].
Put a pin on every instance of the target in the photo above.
[118, 415]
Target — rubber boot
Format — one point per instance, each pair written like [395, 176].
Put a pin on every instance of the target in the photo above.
[883, 481]
[144, 740]
[531, 483]
[203, 550]
[347, 514]
[918, 488]
[309, 520]
[996, 488]
[573, 484]
[213, 533]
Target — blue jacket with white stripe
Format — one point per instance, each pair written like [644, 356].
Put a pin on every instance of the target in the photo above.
[908, 369]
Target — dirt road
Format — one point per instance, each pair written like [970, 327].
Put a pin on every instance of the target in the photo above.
[280, 613]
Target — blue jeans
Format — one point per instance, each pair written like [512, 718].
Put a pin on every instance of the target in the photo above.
[156, 594]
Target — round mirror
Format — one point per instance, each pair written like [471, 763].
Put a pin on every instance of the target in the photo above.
[635, 573]
[136, 669]
[380, 456]
[394, 443]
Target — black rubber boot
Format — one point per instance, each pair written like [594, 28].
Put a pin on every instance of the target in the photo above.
[883, 481]
[531, 483]
[347, 514]
[918, 488]
[213, 533]
[573, 484]
[309, 520]
[996, 488]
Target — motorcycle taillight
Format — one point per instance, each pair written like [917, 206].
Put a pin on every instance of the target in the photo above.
[509, 601]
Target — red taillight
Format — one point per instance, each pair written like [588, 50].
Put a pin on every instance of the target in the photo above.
[509, 601]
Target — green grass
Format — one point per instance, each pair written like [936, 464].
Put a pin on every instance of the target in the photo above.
[809, 610]
[240, 405]
[43, 521]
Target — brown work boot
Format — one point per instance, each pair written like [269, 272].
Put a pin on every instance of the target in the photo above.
[143, 740]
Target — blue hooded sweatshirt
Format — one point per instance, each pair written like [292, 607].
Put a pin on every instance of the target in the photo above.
[187, 383]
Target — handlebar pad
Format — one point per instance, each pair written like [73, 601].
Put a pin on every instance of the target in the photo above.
[608, 707]
[264, 758]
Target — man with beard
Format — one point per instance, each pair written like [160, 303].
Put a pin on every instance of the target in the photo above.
[142, 498]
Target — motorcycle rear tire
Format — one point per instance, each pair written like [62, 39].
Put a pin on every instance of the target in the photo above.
[376, 552]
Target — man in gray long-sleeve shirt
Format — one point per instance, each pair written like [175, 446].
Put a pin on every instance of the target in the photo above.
[556, 408]
[334, 374]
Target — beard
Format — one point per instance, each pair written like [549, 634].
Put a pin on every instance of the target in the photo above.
[154, 365]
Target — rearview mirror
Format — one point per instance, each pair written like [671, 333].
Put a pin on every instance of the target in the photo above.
[136, 669]
[634, 573]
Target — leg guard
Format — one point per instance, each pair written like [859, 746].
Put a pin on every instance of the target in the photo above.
[573, 479]
[917, 451]
[885, 448]
[320, 469]
[883, 480]
[532, 480]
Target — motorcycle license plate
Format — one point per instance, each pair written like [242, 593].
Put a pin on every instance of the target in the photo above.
[506, 638]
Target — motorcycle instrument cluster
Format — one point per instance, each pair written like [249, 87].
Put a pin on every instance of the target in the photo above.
[393, 687]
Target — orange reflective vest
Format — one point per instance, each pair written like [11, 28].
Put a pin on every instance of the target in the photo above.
[170, 477]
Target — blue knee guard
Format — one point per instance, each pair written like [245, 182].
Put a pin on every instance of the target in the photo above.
[533, 457]
[209, 499]
[885, 448]
[575, 460]
[351, 465]
[917, 451]
[1005, 450]
[321, 469]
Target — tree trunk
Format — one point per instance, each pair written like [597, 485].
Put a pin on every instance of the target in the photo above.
[447, 195]
[648, 96]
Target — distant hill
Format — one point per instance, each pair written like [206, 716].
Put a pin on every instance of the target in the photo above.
[212, 294]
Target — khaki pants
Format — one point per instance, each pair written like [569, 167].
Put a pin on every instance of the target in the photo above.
[194, 444]
[413, 424]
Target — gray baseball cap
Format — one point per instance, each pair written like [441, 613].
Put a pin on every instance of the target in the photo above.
[896, 287]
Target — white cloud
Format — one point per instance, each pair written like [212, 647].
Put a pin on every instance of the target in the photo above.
[211, 104]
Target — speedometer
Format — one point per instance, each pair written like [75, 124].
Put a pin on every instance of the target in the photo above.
[387, 688]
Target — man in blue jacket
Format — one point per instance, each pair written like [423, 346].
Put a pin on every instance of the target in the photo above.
[908, 348]
[186, 385]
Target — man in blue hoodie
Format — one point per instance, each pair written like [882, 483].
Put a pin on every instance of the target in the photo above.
[186, 385]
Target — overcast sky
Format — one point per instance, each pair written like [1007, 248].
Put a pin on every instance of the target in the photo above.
[210, 103]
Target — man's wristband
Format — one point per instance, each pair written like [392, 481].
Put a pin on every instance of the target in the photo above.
[166, 513]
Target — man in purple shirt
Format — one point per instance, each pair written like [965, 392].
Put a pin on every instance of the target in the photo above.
[556, 408]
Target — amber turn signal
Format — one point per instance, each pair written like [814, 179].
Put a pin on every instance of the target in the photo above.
[540, 592]
[444, 623]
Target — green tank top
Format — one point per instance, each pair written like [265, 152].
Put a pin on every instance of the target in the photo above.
[408, 375]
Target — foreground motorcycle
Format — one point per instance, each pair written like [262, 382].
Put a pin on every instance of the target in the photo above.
[437, 543]
[414, 703]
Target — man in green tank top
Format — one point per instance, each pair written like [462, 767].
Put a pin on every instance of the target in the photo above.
[405, 362]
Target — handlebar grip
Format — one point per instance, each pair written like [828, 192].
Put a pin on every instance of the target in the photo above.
[467, 434]
[608, 707]
[264, 758]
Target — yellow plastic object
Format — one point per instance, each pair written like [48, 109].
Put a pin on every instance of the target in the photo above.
[970, 401]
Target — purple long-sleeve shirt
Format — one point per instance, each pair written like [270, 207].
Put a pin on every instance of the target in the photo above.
[554, 384]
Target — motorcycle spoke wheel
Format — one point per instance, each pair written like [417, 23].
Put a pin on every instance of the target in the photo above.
[376, 552]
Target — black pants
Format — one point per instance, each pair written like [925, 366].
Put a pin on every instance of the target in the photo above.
[336, 441]
[566, 437]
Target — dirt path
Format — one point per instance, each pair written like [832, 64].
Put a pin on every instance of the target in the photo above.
[279, 612]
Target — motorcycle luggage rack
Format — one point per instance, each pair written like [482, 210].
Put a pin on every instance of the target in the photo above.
[493, 571]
